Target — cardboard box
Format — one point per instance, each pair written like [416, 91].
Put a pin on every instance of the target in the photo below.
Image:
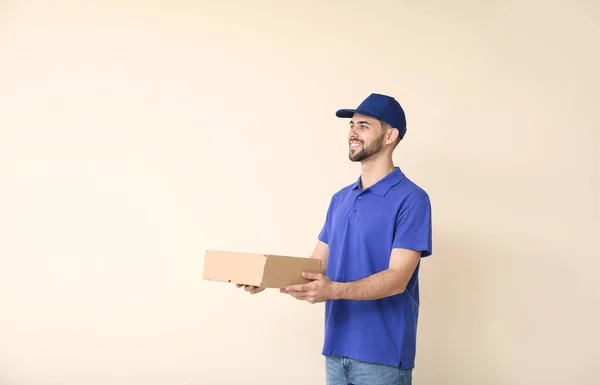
[264, 270]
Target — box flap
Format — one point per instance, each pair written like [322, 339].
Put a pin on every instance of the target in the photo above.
[281, 271]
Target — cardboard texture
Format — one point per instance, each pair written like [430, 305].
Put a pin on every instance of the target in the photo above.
[264, 270]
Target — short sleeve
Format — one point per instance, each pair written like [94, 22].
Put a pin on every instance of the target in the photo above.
[325, 230]
[413, 224]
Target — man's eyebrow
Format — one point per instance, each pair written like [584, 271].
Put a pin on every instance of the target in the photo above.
[360, 122]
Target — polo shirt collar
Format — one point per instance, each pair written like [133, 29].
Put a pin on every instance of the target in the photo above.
[383, 185]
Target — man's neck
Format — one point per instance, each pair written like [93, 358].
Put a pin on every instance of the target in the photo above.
[373, 170]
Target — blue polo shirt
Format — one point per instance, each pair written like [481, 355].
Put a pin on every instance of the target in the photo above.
[361, 228]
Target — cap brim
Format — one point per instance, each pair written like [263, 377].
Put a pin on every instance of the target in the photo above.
[345, 113]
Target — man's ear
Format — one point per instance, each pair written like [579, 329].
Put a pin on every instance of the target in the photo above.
[392, 135]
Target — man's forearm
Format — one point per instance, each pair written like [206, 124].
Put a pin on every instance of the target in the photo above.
[321, 252]
[323, 263]
[380, 285]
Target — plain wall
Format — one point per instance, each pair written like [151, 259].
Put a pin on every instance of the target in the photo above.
[136, 135]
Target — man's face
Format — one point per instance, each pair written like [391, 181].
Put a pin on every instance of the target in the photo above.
[365, 137]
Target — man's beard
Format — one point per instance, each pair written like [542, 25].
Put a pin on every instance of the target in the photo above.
[367, 152]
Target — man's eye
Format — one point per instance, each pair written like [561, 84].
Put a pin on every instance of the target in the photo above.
[364, 127]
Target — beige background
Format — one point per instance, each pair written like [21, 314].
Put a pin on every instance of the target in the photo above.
[135, 135]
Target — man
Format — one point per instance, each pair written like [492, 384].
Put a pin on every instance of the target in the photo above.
[375, 233]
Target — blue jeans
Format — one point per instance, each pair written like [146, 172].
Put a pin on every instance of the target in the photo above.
[346, 371]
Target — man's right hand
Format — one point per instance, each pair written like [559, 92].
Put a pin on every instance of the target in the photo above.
[251, 289]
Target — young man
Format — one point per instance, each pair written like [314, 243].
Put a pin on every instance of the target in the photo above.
[376, 231]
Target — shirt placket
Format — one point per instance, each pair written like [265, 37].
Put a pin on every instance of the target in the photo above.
[356, 206]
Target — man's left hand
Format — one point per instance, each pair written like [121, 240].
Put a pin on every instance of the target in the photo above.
[320, 289]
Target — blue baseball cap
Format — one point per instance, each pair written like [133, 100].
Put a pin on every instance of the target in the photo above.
[381, 107]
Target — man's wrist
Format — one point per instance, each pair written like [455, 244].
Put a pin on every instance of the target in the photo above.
[337, 289]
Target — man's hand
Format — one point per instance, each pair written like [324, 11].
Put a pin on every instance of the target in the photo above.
[251, 289]
[320, 289]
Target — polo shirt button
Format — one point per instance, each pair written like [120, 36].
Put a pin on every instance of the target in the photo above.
[355, 209]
